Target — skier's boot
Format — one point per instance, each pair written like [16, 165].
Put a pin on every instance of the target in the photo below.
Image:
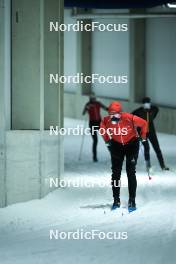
[95, 159]
[164, 168]
[131, 205]
[116, 204]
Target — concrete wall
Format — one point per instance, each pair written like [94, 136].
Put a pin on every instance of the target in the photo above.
[53, 63]
[110, 56]
[35, 54]
[147, 53]
[29, 158]
[114, 50]
[70, 53]
[27, 175]
[2, 108]
[25, 64]
[161, 60]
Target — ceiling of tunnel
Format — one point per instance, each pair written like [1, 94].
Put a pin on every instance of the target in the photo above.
[115, 4]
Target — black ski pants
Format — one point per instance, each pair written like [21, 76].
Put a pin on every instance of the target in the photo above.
[94, 127]
[118, 153]
[154, 141]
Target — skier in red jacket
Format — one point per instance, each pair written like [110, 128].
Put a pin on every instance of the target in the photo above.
[93, 108]
[122, 139]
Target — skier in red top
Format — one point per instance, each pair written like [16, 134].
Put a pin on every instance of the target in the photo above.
[93, 108]
[119, 130]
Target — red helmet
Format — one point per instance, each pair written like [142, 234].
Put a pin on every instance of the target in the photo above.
[115, 107]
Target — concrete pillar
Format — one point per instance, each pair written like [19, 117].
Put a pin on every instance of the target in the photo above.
[4, 92]
[84, 62]
[137, 59]
[53, 62]
[27, 158]
[2, 107]
[35, 54]
[25, 64]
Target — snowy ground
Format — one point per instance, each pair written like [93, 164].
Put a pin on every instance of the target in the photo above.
[24, 228]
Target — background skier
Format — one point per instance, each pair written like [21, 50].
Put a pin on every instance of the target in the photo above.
[93, 108]
[149, 113]
[122, 146]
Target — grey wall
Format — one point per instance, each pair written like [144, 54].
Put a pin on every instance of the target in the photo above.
[114, 50]
[35, 54]
[26, 64]
[4, 91]
[155, 67]
[110, 53]
[53, 63]
[161, 60]
[70, 51]
[27, 174]
[28, 158]
[2, 108]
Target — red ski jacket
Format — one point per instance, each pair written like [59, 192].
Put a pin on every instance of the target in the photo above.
[124, 130]
[93, 109]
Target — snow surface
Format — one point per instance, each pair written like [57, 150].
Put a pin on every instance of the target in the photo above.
[24, 228]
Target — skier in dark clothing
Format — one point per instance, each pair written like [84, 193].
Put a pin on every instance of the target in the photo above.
[149, 113]
[122, 139]
[93, 108]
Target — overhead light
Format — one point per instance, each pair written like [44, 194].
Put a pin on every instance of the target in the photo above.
[173, 5]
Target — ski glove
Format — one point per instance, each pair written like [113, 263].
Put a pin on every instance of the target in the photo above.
[144, 142]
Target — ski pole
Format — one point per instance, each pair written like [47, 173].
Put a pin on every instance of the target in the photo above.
[148, 172]
[82, 141]
[140, 142]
